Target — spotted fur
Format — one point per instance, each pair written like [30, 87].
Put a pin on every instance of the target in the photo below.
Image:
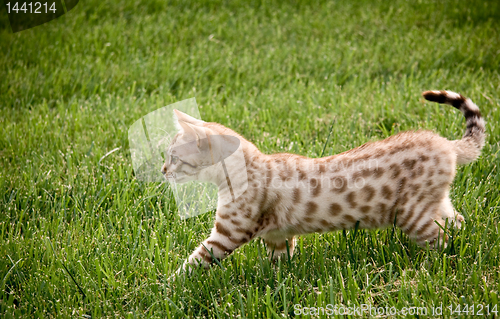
[402, 180]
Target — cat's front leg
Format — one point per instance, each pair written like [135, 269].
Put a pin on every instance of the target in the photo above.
[279, 245]
[226, 236]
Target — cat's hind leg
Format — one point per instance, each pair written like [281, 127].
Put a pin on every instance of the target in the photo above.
[449, 213]
[432, 232]
[423, 222]
[433, 223]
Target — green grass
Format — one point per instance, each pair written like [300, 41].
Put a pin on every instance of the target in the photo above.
[81, 237]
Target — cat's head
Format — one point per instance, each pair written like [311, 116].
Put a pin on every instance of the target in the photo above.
[196, 150]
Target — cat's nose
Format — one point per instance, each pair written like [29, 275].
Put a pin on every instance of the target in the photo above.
[164, 169]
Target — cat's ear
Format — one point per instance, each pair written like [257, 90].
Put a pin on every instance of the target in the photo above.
[190, 128]
[180, 116]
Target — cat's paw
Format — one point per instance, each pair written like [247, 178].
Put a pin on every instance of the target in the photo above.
[183, 270]
[459, 219]
[274, 256]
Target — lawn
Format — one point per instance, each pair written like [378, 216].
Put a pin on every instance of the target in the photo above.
[81, 237]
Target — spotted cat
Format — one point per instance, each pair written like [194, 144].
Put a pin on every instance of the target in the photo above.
[402, 180]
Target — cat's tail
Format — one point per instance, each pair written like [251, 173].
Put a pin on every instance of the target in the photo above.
[469, 147]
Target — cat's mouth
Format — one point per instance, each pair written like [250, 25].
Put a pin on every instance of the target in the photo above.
[178, 177]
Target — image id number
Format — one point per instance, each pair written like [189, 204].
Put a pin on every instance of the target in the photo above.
[31, 7]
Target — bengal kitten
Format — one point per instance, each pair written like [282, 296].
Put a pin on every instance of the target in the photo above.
[402, 180]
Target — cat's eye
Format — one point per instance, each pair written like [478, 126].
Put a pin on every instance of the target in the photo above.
[173, 159]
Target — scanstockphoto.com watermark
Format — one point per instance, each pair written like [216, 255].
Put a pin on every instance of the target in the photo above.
[361, 310]
[380, 311]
